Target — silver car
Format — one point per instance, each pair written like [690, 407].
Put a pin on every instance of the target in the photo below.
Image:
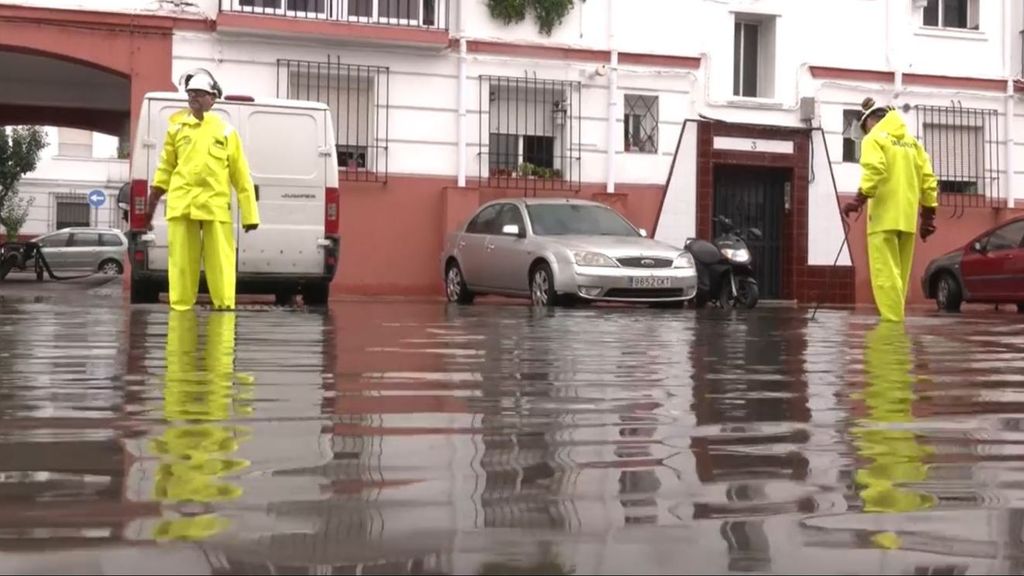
[551, 250]
[85, 250]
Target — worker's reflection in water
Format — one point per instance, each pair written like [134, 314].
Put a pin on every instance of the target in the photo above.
[196, 447]
[893, 455]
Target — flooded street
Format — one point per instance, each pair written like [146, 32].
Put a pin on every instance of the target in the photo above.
[425, 439]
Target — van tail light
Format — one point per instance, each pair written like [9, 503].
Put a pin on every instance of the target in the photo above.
[137, 212]
[332, 201]
[140, 257]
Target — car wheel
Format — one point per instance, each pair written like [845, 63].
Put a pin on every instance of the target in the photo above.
[455, 288]
[111, 268]
[542, 286]
[318, 294]
[948, 296]
[143, 292]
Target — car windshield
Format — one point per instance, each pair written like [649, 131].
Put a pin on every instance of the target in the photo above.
[577, 219]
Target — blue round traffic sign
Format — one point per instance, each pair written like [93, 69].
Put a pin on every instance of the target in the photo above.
[97, 198]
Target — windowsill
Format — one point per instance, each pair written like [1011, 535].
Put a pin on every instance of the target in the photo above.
[760, 103]
[959, 33]
[641, 152]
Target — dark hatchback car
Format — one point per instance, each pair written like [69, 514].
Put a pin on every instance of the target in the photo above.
[989, 269]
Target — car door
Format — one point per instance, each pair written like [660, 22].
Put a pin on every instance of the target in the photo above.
[471, 245]
[54, 248]
[82, 251]
[507, 256]
[988, 273]
[289, 162]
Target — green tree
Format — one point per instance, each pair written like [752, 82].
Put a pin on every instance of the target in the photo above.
[19, 154]
[14, 214]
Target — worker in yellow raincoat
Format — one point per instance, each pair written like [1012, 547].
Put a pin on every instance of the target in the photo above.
[895, 459]
[201, 159]
[897, 182]
[197, 449]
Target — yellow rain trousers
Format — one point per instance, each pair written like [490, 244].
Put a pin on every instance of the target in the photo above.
[897, 178]
[200, 162]
[893, 455]
[197, 447]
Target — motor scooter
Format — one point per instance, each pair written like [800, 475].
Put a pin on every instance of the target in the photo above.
[725, 269]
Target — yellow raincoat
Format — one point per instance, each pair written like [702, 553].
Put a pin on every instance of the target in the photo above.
[897, 178]
[200, 162]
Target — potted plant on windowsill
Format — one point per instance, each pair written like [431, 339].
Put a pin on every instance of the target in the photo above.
[527, 170]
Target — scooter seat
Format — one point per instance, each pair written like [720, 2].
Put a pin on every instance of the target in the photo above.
[704, 252]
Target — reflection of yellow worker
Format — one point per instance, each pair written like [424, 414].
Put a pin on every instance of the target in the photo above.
[195, 449]
[201, 159]
[895, 456]
[897, 181]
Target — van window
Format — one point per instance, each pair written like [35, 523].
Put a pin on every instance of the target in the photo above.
[85, 240]
[283, 145]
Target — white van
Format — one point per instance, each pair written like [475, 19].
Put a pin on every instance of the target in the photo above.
[294, 166]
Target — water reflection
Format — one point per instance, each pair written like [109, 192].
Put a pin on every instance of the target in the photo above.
[895, 458]
[415, 439]
[201, 393]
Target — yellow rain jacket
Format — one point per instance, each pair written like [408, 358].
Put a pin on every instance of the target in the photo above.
[896, 175]
[199, 161]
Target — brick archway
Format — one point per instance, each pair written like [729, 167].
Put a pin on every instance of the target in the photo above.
[135, 47]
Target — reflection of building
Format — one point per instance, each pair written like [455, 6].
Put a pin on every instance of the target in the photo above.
[752, 417]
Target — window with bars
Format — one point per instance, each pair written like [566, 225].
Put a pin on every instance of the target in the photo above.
[72, 210]
[530, 132]
[964, 147]
[358, 97]
[955, 14]
[640, 123]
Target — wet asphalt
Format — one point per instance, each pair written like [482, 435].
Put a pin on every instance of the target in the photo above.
[421, 438]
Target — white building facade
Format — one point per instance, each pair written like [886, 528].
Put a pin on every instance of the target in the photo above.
[673, 113]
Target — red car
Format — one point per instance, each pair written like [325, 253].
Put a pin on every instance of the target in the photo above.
[989, 269]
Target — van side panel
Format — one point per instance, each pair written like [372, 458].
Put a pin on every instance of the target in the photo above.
[160, 112]
[284, 148]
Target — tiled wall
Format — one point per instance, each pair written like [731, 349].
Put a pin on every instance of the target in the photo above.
[799, 281]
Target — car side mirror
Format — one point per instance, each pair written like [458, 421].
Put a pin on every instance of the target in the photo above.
[643, 233]
[512, 230]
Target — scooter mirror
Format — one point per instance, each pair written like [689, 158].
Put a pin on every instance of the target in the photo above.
[756, 234]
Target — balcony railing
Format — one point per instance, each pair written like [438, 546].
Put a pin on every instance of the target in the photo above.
[423, 14]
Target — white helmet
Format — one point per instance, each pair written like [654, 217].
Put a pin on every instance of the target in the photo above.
[200, 79]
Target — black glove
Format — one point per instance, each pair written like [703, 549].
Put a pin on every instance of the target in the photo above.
[927, 223]
[854, 205]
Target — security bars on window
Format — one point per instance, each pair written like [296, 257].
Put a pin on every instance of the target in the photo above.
[428, 14]
[530, 133]
[964, 147]
[359, 98]
[641, 123]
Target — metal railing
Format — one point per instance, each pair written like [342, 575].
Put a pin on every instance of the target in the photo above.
[359, 98]
[530, 133]
[424, 14]
[964, 145]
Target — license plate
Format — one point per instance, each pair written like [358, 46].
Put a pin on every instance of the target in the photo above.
[650, 282]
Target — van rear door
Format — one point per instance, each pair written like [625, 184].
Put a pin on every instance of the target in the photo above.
[284, 148]
[160, 112]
